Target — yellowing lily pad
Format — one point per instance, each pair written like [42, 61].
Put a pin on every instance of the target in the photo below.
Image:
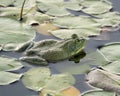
[12, 31]
[58, 7]
[72, 91]
[45, 28]
[7, 78]
[96, 6]
[9, 64]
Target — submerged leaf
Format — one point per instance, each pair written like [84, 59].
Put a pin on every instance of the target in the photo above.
[7, 78]
[57, 7]
[96, 6]
[72, 67]
[9, 64]
[12, 31]
[98, 93]
[36, 78]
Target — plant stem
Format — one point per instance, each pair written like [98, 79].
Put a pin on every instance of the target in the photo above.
[21, 12]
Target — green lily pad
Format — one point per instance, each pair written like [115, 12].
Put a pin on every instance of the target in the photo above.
[98, 93]
[58, 7]
[111, 51]
[12, 31]
[36, 78]
[59, 82]
[17, 3]
[108, 19]
[96, 6]
[7, 77]
[6, 2]
[75, 22]
[113, 67]
[41, 78]
[82, 32]
[9, 64]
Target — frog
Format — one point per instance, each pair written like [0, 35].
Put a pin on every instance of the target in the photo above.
[51, 50]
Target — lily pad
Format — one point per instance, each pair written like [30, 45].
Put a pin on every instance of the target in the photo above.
[12, 31]
[45, 28]
[108, 19]
[75, 22]
[59, 82]
[96, 6]
[113, 67]
[7, 77]
[40, 78]
[98, 93]
[17, 3]
[36, 78]
[9, 64]
[110, 81]
[82, 32]
[111, 51]
[58, 7]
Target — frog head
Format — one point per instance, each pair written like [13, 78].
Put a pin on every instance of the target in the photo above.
[76, 45]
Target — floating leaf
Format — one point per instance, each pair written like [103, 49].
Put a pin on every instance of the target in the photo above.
[36, 78]
[45, 28]
[9, 64]
[75, 22]
[59, 82]
[7, 78]
[72, 91]
[12, 31]
[82, 32]
[113, 67]
[96, 6]
[98, 93]
[57, 7]
[39, 78]
[111, 51]
[108, 19]
[6, 2]
[110, 81]
[17, 3]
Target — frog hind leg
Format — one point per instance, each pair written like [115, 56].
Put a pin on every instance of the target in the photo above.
[34, 60]
[24, 46]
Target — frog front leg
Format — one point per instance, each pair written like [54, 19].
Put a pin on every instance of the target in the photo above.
[24, 46]
[34, 60]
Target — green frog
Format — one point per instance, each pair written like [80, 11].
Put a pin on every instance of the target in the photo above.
[51, 50]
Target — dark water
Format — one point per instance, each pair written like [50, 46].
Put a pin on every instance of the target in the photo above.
[18, 89]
